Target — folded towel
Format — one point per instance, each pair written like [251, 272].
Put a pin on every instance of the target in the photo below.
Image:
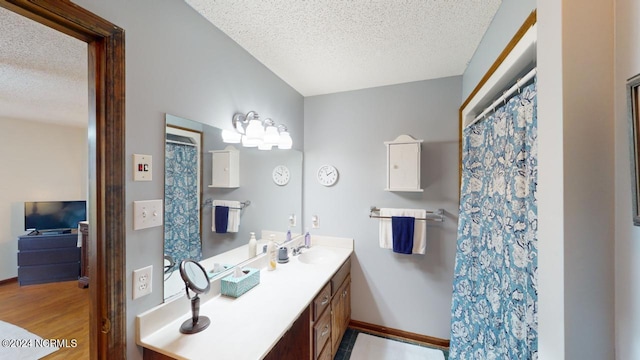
[222, 219]
[233, 217]
[402, 234]
[385, 233]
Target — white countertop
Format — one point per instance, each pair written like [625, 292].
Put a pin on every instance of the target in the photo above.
[249, 326]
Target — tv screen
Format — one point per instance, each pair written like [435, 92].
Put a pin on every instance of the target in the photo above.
[54, 215]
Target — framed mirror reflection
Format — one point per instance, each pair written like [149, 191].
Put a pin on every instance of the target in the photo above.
[195, 207]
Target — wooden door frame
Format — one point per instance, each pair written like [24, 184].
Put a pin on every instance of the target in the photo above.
[105, 42]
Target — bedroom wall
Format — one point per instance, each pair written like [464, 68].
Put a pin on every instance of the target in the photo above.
[348, 130]
[39, 162]
[178, 63]
[627, 237]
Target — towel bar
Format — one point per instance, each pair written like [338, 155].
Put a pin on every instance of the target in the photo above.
[243, 204]
[437, 215]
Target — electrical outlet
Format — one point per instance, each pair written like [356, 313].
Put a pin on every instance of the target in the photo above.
[142, 281]
[292, 220]
[315, 222]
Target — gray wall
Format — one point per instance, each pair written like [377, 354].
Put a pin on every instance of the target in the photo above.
[627, 239]
[506, 22]
[178, 63]
[348, 130]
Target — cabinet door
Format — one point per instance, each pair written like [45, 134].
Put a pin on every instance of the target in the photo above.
[220, 169]
[404, 166]
[340, 313]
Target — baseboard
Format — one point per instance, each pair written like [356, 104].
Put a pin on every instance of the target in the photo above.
[399, 334]
[8, 281]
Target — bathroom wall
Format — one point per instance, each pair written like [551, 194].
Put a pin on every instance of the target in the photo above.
[39, 162]
[348, 130]
[627, 236]
[178, 63]
[504, 25]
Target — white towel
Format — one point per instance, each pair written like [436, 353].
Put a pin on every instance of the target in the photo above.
[385, 233]
[233, 222]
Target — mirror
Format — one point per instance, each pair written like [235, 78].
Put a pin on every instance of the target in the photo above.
[191, 195]
[195, 279]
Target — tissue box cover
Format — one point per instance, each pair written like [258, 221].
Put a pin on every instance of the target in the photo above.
[236, 286]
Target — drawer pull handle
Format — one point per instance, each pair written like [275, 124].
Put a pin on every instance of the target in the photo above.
[325, 331]
[325, 300]
[344, 293]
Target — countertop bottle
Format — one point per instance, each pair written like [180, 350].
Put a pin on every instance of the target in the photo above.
[272, 253]
[253, 245]
[307, 239]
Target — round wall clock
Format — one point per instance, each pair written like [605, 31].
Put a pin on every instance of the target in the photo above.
[327, 175]
[281, 175]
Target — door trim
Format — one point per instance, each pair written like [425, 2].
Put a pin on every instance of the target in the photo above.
[106, 55]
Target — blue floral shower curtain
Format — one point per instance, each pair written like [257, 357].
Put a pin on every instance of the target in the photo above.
[181, 219]
[495, 291]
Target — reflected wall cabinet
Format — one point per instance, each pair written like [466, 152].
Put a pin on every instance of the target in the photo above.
[403, 164]
[225, 169]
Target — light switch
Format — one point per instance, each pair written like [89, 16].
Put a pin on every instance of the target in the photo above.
[147, 214]
[141, 167]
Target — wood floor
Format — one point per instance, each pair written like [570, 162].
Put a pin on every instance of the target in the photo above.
[52, 311]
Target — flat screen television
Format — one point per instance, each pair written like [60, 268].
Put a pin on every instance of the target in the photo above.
[45, 216]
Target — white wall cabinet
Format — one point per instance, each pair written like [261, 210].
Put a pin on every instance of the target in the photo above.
[225, 169]
[403, 164]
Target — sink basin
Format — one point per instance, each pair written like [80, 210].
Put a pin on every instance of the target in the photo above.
[316, 255]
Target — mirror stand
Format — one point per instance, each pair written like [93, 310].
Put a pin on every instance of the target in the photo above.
[196, 323]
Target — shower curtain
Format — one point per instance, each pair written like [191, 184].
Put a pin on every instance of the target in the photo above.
[495, 291]
[181, 219]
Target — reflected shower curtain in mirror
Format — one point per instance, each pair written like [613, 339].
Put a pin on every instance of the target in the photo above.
[494, 311]
[181, 219]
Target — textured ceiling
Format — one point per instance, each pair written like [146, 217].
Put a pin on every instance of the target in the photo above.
[316, 46]
[43, 73]
[327, 46]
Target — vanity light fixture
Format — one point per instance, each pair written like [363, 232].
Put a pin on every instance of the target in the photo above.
[252, 132]
[285, 142]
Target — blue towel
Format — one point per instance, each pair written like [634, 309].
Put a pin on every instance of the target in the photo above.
[222, 219]
[402, 234]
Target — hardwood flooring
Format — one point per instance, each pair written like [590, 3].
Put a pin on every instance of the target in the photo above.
[52, 311]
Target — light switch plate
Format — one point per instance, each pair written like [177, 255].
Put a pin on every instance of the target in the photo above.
[147, 214]
[142, 167]
[142, 281]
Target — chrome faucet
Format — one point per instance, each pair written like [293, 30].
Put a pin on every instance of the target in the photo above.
[297, 250]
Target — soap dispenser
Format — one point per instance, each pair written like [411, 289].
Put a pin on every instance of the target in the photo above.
[272, 253]
[288, 235]
[253, 245]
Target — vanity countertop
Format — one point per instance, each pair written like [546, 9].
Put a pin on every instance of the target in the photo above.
[249, 326]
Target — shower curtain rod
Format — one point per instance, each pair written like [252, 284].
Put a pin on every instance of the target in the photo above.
[506, 94]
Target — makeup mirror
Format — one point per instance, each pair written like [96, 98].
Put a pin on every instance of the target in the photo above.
[195, 279]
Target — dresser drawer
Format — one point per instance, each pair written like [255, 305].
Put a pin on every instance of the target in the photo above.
[322, 333]
[322, 301]
[48, 257]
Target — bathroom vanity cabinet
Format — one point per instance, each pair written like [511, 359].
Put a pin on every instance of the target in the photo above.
[309, 304]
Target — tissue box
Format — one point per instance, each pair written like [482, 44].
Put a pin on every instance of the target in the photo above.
[236, 286]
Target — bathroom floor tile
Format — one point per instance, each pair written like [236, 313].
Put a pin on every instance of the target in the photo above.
[349, 339]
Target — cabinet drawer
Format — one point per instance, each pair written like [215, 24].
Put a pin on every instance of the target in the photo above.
[322, 301]
[321, 333]
[340, 275]
[326, 352]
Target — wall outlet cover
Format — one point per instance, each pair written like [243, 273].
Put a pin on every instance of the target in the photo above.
[142, 281]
